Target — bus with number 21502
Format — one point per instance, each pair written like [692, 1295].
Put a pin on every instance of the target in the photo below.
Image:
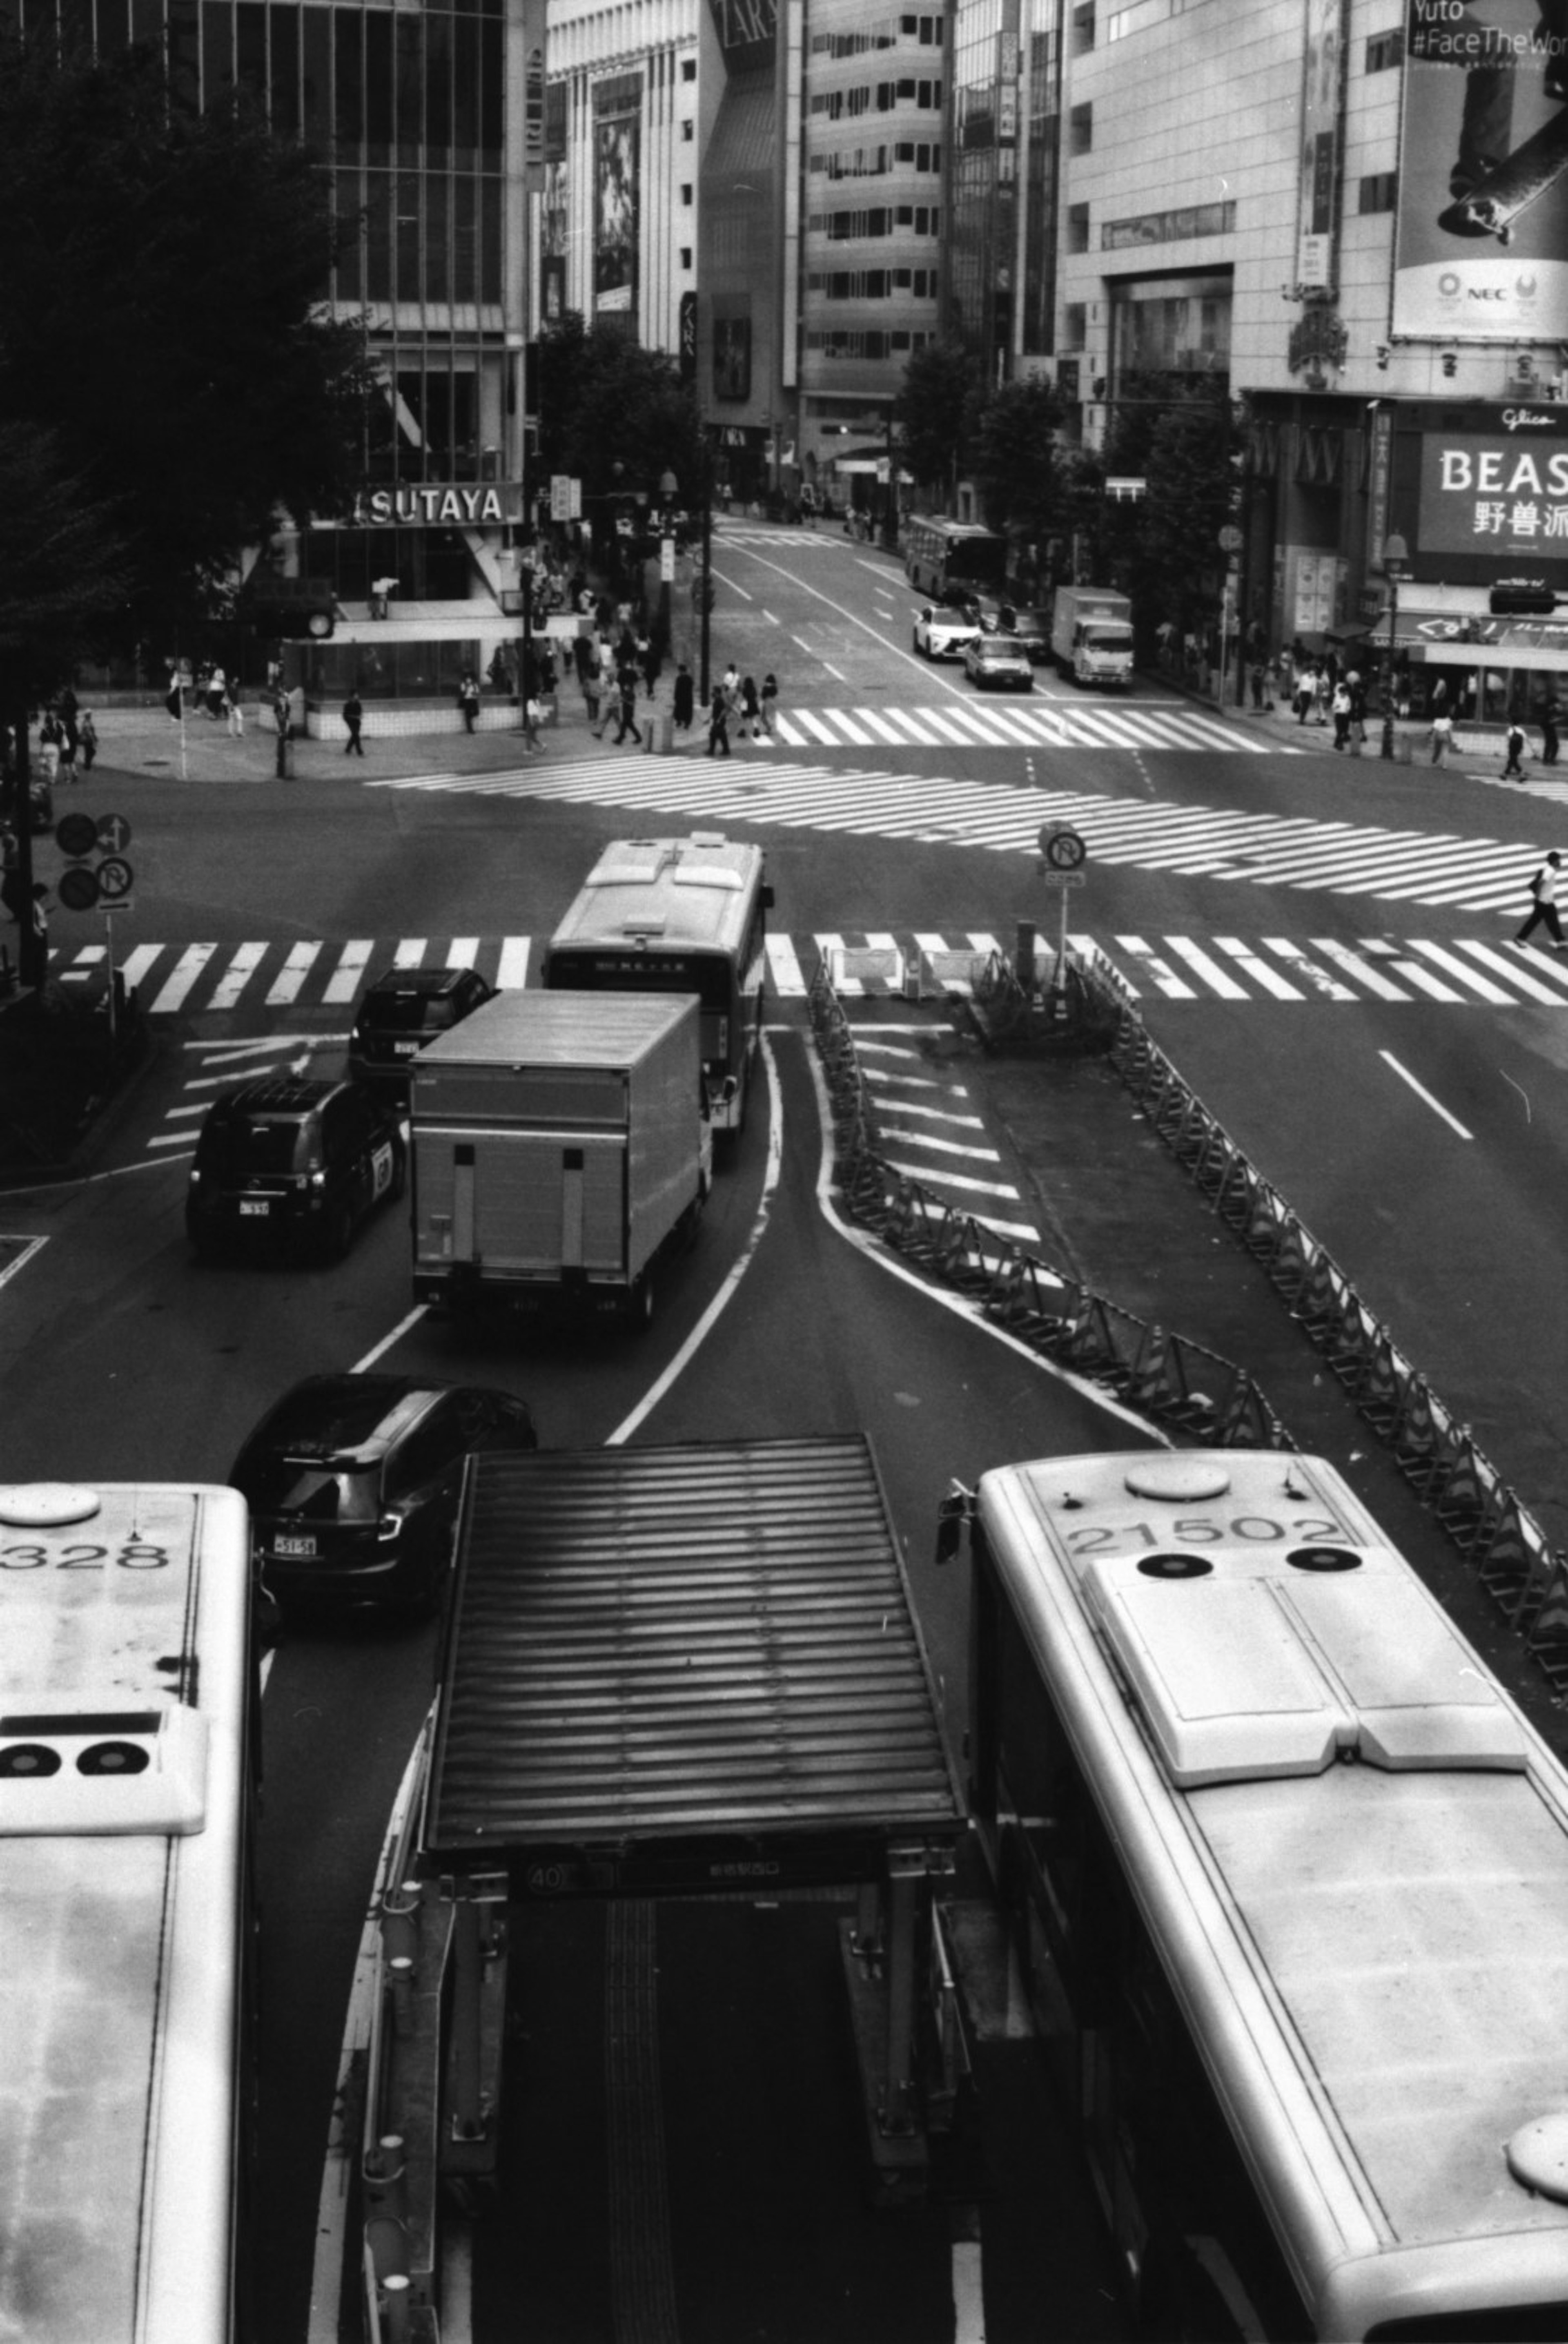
[1288, 1871]
[127, 1790]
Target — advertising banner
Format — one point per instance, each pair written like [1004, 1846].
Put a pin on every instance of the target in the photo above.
[1481, 250]
[1323, 86]
[1494, 500]
[616, 176]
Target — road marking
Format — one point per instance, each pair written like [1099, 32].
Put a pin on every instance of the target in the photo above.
[1421, 1093]
[348, 975]
[296, 969]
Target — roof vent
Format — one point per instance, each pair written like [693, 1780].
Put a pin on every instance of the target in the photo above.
[1538, 2156]
[46, 1505]
[110, 1772]
[1179, 1480]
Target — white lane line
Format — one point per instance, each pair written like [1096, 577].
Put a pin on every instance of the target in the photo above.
[186, 970]
[241, 968]
[285, 986]
[1413, 973]
[1465, 974]
[1316, 979]
[1353, 965]
[345, 981]
[1497, 958]
[136, 964]
[410, 952]
[513, 973]
[970, 1154]
[838, 675]
[462, 952]
[950, 1179]
[1258, 970]
[1436, 1105]
[1223, 984]
[784, 968]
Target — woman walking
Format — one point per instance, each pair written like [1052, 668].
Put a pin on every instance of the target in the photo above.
[769, 702]
[719, 722]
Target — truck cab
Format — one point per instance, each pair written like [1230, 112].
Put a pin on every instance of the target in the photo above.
[1091, 635]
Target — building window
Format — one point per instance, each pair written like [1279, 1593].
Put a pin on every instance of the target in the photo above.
[1081, 130]
[686, 194]
[1083, 29]
[689, 68]
[1078, 227]
[1385, 50]
[1074, 323]
[686, 256]
[688, 128]
[1378, 192]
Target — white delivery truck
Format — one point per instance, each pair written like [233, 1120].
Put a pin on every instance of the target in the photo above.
[560, 1142]
[1092, 634]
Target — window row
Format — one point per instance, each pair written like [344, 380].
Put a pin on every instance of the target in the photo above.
[872, 284]
[422, 236]
[372, 86]
[831, 344]
[878, 97]
[885, 35]
[875, 162]
[924, 220]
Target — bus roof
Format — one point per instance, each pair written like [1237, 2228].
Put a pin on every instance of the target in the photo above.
[123, 1637]
[1350, 1848]
[699, 891]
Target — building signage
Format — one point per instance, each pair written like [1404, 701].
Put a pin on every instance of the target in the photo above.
[1481, 249]
[429, 504]
[1497, 497]
[748, 31]
[618, 174]
[1322, 90]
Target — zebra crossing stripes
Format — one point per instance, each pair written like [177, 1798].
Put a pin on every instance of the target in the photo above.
[928, 1133]
[1023, 724]
[259, 979]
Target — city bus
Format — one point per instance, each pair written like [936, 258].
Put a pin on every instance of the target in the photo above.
[940, 555]
[127, 1789]
[1288, 1871]
[678, 916]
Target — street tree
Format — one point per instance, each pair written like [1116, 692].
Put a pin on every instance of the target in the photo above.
[1018, 463]
[936, 412]
[1189, 444]
[161, 279]
[614, 415]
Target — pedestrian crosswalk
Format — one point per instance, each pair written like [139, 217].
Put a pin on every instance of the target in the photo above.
[282, 980]
[1024, 722]
[1300, 852]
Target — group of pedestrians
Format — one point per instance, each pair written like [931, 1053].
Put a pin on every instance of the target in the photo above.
[736, 701]
[66, 736]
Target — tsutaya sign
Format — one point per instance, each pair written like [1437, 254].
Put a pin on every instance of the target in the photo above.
[429, 504]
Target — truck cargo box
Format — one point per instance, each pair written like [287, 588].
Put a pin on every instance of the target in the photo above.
[557, 1141]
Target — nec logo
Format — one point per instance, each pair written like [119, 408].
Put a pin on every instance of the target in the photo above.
[1487, 293]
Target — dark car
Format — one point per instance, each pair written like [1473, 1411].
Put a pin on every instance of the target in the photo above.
[353, 1483]
[296, 1161]
[404, 1009]
[1032, 630]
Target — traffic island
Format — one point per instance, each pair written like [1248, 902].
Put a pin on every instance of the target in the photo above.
[62, 1063]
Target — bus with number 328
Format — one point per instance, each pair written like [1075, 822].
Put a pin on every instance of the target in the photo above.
[127, 1790]
[1288, 1874]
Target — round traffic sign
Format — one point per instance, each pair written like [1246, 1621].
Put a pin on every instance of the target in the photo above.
[1063, 848]
[1230, 539]
[78, 888]
[114, 877]
[76, 833]
[114, 833]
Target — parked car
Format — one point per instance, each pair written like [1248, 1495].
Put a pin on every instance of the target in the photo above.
[403, 1009]
[294, 1160]
[353, 1483]
[1032, 629]
[999, 663]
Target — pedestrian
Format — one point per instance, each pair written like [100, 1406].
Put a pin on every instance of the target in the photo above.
[1543, 902]
[769, 702]
[1515, 743]
[1358, 692]
[217, 694]
[70, 738]
[1322, 693]
[469, 698]
[1550, 717]
[750, 725]
[236, 712]
[89, 740]
[626, 687]
[809, 504]
[719, 722]
[533, 710]
[1441, 734]
[353, 718]
[591, 689]
[1306, 683]
[50, 741]
[1258, 676]
[1340, 708]
[685, 698]
[647, 662]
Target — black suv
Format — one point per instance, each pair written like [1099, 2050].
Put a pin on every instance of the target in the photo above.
[353, 1483]
[404, 1009]
[301, 1161]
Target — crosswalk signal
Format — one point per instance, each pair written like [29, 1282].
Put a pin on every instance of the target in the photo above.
[1521, 602]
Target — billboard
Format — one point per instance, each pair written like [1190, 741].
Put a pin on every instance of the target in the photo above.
[617, 152]
[1322, 90]
[1481, 246]
[1489, 489]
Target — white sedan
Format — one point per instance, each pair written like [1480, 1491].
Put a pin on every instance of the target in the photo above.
[943, 635]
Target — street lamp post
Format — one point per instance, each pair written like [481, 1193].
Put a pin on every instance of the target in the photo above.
[1395, 555]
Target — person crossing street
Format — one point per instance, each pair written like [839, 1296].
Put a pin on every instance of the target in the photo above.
[1543, 903]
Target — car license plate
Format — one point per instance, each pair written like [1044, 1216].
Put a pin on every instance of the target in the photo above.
[303, 1547]
[255, 1205]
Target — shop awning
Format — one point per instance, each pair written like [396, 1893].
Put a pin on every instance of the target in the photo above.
[1417, 635]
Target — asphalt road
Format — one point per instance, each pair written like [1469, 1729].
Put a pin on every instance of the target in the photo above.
[118, 1356]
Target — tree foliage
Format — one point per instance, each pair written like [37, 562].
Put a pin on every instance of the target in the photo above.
[936, 413]
[603, 402]
[161, 273]
[62, 566]
[1192, 478]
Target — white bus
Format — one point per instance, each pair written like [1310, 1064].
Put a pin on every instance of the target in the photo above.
[1289, 1873]
[678, 916]
[127, 1814]
[944, 558]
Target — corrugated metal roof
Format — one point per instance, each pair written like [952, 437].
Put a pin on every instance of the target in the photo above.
[662, 1657]
[558, 1029]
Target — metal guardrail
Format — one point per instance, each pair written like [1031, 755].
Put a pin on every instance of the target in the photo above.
[1510, 1552]
[1166, 1376]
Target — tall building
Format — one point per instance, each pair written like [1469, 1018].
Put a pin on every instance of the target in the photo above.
[420, 115]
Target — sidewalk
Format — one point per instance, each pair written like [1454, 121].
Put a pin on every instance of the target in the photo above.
[1475, 744]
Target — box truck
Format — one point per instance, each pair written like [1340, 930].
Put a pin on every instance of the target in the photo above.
[559, 1144]
[1092, 634]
